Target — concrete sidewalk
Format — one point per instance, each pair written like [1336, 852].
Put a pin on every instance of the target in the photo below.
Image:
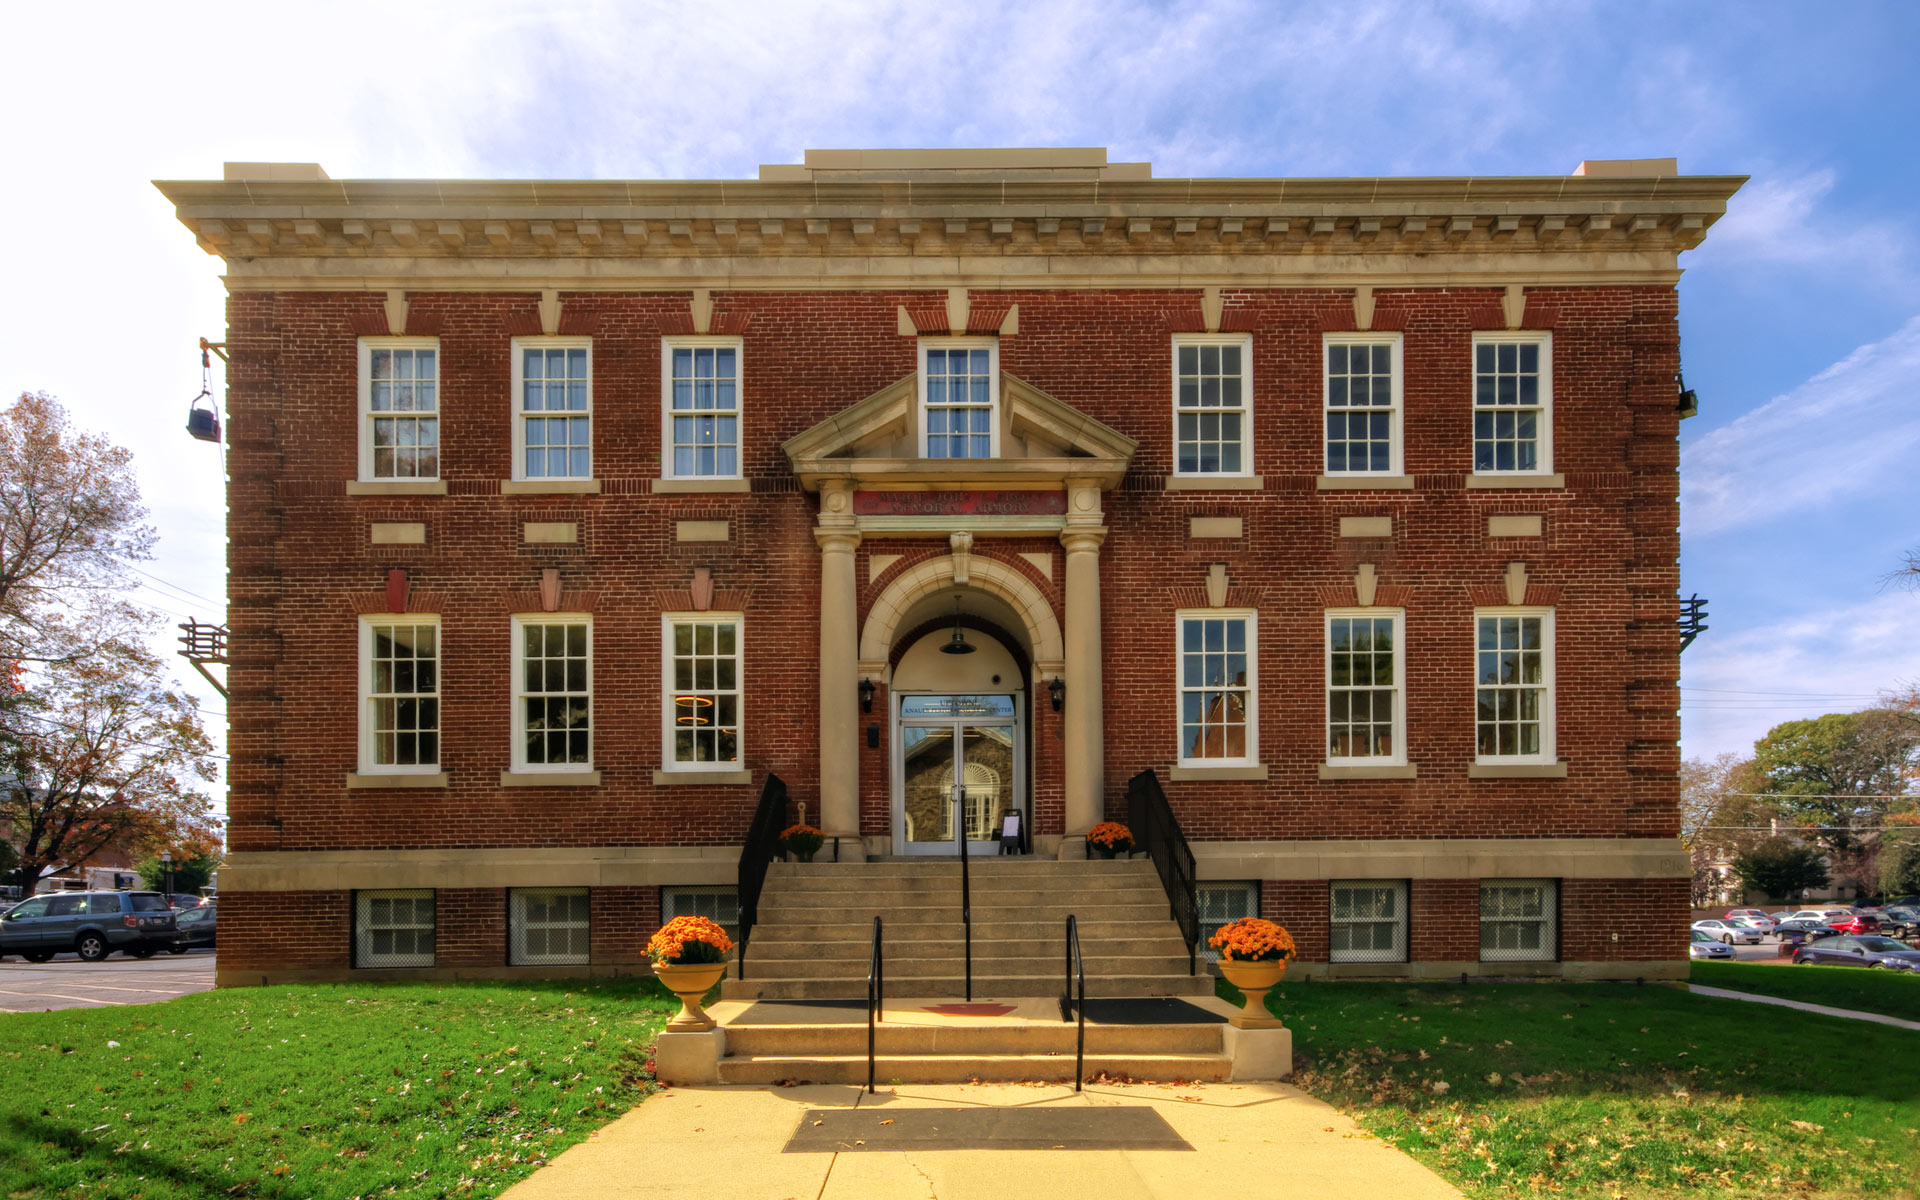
[1247, 1140]
[1804, 1006]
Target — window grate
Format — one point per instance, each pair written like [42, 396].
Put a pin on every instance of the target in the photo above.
[1368, 921]
[393, 929]
[548, 926]
[721, 905]
[1221, 904]
[1520, 920]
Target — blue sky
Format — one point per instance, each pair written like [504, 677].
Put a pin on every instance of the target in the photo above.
[1801, 313]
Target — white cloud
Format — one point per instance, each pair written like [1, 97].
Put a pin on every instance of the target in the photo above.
[1850, 430]
[1785, 220]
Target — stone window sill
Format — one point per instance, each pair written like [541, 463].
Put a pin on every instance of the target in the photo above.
[550, 487]
[1216, 483]
[690, 487]
[549, 779]
[1477, 482]
[1383, 771]
[1552, 770]
[1220, 774]
[702, 778]
[436, 779]
[1364, 483]
[396, 487]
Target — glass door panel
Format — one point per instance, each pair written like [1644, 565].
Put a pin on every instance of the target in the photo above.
[986, 769]
[927, 784]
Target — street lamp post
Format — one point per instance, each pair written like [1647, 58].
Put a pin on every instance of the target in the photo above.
[166, 862]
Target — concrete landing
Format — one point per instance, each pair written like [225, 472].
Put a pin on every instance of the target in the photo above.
[1261, 1139]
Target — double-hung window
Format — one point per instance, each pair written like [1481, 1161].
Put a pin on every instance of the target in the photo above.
[553, 693]
[1366, 699]
[1212, 400]
[702, 717]
[399, 409]
[400, 695]
[701, 382]
[1362, 401]
[1519, 920]
[393, 928]
[721, 905]
[1513, 685]
[1512, 403]
[1218, 688]
[959, 397]
[1368, 920]
[553, 408]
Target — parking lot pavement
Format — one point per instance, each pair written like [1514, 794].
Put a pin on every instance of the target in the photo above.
[66, 982]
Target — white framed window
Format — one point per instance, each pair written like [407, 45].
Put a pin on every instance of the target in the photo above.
[1519, 920]
[700, 403]
[393, 928]
[399, 409]
[1513, 685]
[1361, 372]
[1212, 404]
[553, 692]
[701, 715]
[1512, 403]
[1217, 658]
[399, 694]
[721, 905]
[1367, 920]
[960, 397]
[1366, 699]
[553, 408]
[548, 926]
[1222, 903]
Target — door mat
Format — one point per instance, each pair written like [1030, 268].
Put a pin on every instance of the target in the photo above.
[1150, 1010]
[846, 1130]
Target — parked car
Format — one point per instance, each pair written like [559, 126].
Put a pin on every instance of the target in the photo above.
[91, 924]
[1705, 945]
[196, 927]
[1727, 932]
[185, 900]
[1758, 913]
[1853, 922]
[1855, 951]
[1900, 921]
[1764, 925]
[1793, 933]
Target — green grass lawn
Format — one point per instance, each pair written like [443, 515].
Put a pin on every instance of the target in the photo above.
[402, 1090]
[1614, 1090]
[1891, 993]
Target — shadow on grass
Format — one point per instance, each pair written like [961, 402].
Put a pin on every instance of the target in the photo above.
[29, 1132]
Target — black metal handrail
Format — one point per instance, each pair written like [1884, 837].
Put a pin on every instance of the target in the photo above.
[762, 847]
[1157, 831]
[1072, 1007]
[966, 884]
[876, 997]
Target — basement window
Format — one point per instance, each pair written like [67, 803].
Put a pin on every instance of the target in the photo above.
[393, 928]
[1221, 903]
[1368, 921]
[721, 905]
[1519, 920]
[548, 926]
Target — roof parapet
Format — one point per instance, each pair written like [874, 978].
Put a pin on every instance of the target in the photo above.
[270, 172]
[1628, 168]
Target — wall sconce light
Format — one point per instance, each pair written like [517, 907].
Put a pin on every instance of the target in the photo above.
[1057, 692]
[866, 695]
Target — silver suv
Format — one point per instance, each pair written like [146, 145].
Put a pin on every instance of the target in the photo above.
[91, 924]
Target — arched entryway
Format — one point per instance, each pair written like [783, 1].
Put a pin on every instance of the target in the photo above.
[960, 759]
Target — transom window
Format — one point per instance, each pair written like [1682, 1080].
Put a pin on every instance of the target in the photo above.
[553, 385]
[703, 409]
[553, 700]
[1217, 687]
[959, 391]
[400, 408]
[1513, 689]
[400, 689]
[1519, 920]
[393, 929]
[1512, 399]
[1210, 405]
[1363, 405]
[702, 692]
[1365, 711]
[548, 926]
[1368, 920]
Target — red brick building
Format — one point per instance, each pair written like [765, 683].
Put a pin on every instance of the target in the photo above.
[562, 513]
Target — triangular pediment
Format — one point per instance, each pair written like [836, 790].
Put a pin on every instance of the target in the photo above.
[1039, 436]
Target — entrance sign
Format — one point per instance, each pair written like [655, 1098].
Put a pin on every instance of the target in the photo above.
[960, 504]
[956, 706]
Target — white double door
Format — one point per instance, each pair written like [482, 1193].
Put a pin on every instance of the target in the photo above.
[958, 765]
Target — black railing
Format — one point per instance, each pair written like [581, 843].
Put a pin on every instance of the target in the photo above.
[966, 884]
[1157, 831]
[876, 997]
[1072, 1006]
[762, 847]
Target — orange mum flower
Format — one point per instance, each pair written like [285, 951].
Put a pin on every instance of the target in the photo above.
[685, 940]
[1252, 939]
[1110, 835]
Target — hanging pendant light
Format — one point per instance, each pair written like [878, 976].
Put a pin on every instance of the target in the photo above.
[959, 644]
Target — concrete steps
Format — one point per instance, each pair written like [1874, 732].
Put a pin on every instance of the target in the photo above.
[965, 1068]
[1103, 987]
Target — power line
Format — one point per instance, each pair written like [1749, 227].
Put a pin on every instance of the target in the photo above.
[130, 741]
[176, 587]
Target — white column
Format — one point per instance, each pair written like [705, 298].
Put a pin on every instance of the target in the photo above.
[1083, 723]
[839, 673]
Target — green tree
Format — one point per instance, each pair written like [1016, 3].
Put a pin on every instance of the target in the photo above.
[1843, 772]
[189, 874]
[1781, 869]
[1900, 863]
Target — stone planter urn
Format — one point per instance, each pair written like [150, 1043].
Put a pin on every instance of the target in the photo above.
[690, 981]
[1255, 979]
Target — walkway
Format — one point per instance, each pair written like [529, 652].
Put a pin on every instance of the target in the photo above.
[1803, 1006]
[984, 1142]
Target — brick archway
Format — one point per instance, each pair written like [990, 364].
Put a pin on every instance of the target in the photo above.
[1028, 602]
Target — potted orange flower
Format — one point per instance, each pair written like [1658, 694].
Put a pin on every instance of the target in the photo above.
[1254, 954]
[802, 841]
[1109, 838]
[689, 954]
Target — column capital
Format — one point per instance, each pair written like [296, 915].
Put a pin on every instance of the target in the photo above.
[836, 538]
[1083, 539]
